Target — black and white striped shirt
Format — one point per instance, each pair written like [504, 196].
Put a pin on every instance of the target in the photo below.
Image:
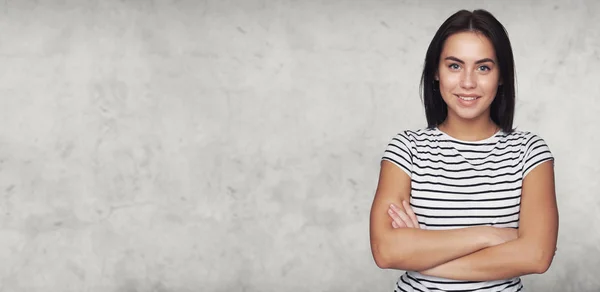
[457, 184]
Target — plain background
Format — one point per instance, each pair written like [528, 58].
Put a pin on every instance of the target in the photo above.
[235, 145]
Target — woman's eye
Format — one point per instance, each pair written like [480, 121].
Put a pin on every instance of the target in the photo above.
[484, 68]
[454, 66]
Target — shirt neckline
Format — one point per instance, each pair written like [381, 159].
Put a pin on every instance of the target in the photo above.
[485, 140]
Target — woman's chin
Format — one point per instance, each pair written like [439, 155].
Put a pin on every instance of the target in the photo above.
[468, 114]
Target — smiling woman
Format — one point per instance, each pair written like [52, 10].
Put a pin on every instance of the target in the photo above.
[467, 203]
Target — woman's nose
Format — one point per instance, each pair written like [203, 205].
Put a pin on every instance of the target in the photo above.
[468, 80]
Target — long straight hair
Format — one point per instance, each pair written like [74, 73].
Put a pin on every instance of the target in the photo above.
[479, 21]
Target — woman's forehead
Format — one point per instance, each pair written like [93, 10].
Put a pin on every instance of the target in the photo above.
[468, 46]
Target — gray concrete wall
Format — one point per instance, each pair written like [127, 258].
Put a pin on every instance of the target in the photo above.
[235, 145]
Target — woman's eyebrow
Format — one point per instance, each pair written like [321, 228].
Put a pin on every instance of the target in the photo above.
[455, 59]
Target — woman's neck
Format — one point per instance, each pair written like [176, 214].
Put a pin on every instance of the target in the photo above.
[469, 130]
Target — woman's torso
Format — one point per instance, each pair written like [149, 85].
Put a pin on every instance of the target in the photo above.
[458, 184]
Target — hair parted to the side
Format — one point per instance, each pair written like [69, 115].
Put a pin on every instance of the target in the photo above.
[480, 21]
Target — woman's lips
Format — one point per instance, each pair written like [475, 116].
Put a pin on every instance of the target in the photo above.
[467, 100]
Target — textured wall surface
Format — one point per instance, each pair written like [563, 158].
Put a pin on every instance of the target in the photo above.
[235, 145]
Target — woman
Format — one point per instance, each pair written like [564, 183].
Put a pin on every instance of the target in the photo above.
[467, 203]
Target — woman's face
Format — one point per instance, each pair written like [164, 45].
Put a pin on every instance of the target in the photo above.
[468, 75]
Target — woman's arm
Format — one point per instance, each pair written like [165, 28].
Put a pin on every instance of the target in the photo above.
[412, 248]
[531, 253]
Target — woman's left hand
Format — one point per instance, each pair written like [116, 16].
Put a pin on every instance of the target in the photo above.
[403, 218]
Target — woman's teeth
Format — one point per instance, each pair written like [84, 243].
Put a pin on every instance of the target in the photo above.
[467, 98]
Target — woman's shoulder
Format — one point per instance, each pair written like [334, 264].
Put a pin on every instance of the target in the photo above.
[528, 142]
[419, 133]
[523, 135]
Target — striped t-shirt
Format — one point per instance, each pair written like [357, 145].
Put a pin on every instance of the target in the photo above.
[457, 184]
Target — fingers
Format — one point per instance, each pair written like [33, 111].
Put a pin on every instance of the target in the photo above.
[397, 221]
[411, 214]
[395, 211]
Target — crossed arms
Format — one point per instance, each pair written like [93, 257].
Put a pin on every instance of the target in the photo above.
[482, 253]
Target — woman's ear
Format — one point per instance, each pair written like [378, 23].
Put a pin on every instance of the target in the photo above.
[436, 77]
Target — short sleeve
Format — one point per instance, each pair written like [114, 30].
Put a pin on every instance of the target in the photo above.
[398, 152]
[536, 152]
